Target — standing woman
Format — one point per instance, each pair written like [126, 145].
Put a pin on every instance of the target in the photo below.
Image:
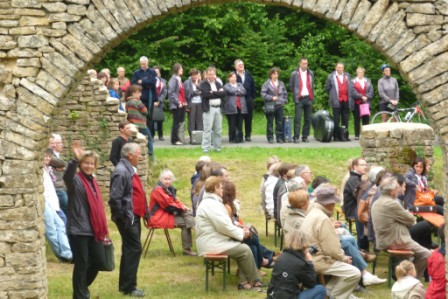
[275, 96]
[194, 100]
[86, 220]
[362, 93]
[388, 91]
[160, 105]
[178, 103]
[235, 107]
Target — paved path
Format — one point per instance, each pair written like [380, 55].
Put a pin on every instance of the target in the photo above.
[260, 141]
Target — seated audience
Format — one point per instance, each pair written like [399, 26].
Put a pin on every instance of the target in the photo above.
[269, 185]
[271, 160]
[436, 270]
[330, 258]
[293, 186]
[296, 211]
[294, 276]
[167, 212]
[215, 233]
[391, 222]
[407, 285]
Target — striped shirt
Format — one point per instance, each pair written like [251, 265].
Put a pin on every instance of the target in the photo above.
[136, 111]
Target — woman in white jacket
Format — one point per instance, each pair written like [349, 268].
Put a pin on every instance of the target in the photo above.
[215, 233]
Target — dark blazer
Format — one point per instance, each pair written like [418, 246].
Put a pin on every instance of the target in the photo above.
[411, 187]
[249, 86]
[231, 96]
[291, 270]
[351, 190]
[332, 89]
[173, 92]
[294, 83]
[149, 80]
[268, 92]
[207, 94]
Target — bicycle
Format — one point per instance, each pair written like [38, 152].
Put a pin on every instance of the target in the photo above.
[394, 116]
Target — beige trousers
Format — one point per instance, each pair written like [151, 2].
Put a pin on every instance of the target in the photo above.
[248, 271]
[344, 279]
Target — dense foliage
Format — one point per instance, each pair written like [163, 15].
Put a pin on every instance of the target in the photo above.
[262, 36]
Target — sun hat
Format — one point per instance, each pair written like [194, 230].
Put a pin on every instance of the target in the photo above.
[326, 194]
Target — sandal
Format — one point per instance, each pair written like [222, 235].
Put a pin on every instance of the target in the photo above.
[258, 284]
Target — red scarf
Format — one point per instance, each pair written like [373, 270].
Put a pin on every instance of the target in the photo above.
[308, 85]
[97, 215]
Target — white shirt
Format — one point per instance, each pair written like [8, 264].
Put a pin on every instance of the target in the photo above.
[361, 82]
[304, 76]
[217, 101]
[50, 195]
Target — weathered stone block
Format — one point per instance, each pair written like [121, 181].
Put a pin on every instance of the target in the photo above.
[59, 25]
[421, 56]
[417, 19]
[20, 167]
[33, 21]
[67, 53]
[5, 201]
[423, 8]
[25, 71]
[63, 17]
[38, 91]
[23, 62]
[77, 47]
[23, 30]
[29, 12]
[79, 10]
[51, 32]
[55, 6]
[32, 41]
[9, 23]
[26, 3]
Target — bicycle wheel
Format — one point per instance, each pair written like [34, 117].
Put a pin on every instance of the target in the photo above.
[391, 117]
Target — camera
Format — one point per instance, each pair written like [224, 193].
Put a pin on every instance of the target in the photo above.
[312, 249]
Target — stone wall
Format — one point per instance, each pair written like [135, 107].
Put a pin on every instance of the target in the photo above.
[394, 145]
[91, 116]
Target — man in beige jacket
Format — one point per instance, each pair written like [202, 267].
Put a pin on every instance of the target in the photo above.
[330, 258]
[391, 223]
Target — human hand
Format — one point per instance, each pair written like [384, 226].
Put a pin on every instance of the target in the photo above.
[275, 98]
[77, 149]
[435, 192]
[348, 260]
[139, 81]
[394, 102]
[308, 256]
[337, 224]
[156, 104]
[221, 89]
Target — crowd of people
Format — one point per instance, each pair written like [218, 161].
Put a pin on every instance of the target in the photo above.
[203, 98]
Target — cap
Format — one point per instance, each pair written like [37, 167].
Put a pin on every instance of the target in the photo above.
[384, 66]
[326, 194]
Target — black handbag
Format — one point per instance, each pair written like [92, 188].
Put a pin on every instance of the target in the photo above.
[158, 114]
[103, 255]
[269, 107]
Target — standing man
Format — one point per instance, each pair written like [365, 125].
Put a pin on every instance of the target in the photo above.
[245, 78]
[124, 82]
[351, 195]
[212, 92]
[338, 88]
[128, 205]
[302, 86]
[57, 146]
[117, 144]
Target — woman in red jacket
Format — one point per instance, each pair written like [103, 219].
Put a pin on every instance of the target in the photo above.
[167, 212]
[436, 270]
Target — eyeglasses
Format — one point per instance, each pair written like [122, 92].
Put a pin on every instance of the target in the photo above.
[362, 165]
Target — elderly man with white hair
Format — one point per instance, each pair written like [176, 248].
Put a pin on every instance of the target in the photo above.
[146, 77]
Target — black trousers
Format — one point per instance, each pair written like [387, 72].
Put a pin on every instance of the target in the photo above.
[340, 118]
[178, 117]
[248, 117]
[358, 118]
[278, 116]
[159, 126]
[84, 271]
[131, 251]
[305, 105]
[421, 233]
[235, 122]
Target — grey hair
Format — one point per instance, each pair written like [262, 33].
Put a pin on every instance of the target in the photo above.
[300, 169]
[56, 136]
[144, 58]
[388, 185]
[128, 148]
[297, 239]
[374, 170]
[237, 61]
[296, 183]
[166, 172]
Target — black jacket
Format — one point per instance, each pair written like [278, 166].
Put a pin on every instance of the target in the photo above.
[78, 210]
[149, 80]
[249, 86]
[207, 94]
[291, 274]
[351, 189]
[115, 151]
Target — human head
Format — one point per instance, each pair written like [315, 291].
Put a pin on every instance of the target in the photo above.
[385, 69]
[419, 166]
[303, 63]
[194, 74]
[360, 71]
[206, 159]
[92, 73]
[296, 183]
[211, 74]
[231, 77]
[359, 165]
[156, 69]
[274, 73]
[389, 187]
[299, 199]
[106, 71]
[271, 160]
[213, 184]
[133, 90]
[305, 173]
[132, 152]
[47, 156]
[56, 143]
[177, 69]
[88, 162]
[228, 192]
[114, 84]
[318, 181]
[121, 72]
[327, 196]
[144, 63]
[199, 165]
[103, 78]
[405, 268]
[284, 168]
[239, 65]
[220, 171]
[166, 177]
[273, 170]
[125, 128]
[297, 239]
[340, 68]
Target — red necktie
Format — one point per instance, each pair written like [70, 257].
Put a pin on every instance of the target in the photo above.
[238, 102]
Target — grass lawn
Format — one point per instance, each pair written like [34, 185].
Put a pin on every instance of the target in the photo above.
[164, 276]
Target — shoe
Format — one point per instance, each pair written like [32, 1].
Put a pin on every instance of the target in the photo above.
[356, 138]
[372, 279]
[178, 143]
[189, 252]
[279, 141]
[296, 140]
[217, 150]
[271, 140]
[305, 139]
[205, 151]
[248, 287]
[359, 289]
[64, 260]
[161, 139]
[369, 257]
[136, 293]
[248, 139]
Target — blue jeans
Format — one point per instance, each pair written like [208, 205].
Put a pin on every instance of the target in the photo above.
[147, 133]
[316, 292]
[348, 244]
[63, 200]
[56, 233]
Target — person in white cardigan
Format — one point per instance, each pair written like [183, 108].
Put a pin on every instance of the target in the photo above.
[215, 233]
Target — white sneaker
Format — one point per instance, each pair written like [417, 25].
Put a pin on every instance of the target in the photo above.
[372, 279]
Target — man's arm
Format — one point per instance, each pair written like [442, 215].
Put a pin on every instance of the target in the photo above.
[115, 154]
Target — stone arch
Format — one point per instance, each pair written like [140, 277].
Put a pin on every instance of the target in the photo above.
[46, 47]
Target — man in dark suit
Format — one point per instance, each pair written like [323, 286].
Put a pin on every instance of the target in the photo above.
[244, 77]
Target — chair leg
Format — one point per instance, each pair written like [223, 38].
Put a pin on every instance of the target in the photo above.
[224, 275]
[281, 239]
[228, 264]
[267, 227]
[170, 244]
[206, 274]
[148, 241]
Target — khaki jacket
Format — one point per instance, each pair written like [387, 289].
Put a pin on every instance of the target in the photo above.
[390, 222]
[324, 237]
